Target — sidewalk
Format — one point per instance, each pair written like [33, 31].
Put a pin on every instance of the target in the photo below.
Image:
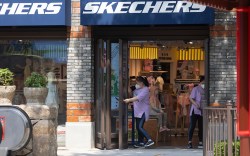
[131, 152]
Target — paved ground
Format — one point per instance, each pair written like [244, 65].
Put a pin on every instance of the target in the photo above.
[131, 152]
[174, 146]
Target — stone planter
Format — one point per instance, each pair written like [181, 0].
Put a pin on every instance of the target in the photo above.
[6, 94]
[35, 96]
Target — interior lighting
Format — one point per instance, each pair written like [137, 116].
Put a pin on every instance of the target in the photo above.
[137, 52]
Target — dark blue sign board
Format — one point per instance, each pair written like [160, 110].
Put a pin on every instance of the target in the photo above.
[35, 12]
[144, 12]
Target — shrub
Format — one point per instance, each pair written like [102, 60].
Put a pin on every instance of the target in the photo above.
[6, 77]
[220, 148]
[36, 80]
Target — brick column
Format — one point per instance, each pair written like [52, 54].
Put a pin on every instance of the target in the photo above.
[80, 79]
[222, 58]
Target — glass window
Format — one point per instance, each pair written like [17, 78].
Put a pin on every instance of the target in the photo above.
[23, 57]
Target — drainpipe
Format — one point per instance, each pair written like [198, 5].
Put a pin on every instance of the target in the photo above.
[243, 75]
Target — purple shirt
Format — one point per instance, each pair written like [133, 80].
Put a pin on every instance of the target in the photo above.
[142, 105]
[196, 94]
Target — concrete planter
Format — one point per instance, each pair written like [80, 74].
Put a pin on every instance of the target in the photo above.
[6, 94]
[35, 96]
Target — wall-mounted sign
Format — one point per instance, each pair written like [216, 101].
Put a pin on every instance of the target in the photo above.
[34, 13]
[137, 12]
[164, 56]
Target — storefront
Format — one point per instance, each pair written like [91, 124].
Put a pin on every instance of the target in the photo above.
[33, 38]
[96, 51]
[167, 40]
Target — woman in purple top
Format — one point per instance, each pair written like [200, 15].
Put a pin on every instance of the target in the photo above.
[196, 98]
[141, 110]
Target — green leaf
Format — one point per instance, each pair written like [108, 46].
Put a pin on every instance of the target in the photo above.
[36, 80]
[6, 77]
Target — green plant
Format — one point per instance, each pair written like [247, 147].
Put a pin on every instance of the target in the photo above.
[6, 77]
[36, 80]
[220, 148]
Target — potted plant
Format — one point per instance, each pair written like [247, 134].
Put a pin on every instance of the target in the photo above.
[35, 90]
[7, 89]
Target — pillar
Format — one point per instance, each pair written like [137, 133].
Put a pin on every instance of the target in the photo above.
[80, 88]
[243, 76]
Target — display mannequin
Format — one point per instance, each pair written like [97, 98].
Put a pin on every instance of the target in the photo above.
[197, 74]
[160, 80]
[184, 74]
[52, 97]
[155, 106]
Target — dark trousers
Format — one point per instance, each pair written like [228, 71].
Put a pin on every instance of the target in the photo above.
[193, 119]
[141, 131]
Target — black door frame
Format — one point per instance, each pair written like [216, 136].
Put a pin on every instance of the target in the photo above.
[105, 137]
[128, 33]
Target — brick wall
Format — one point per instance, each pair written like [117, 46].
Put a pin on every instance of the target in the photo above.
[222, 57]
[80, 70]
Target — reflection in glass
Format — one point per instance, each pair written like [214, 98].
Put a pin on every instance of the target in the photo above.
[114, 86]
[23, 57]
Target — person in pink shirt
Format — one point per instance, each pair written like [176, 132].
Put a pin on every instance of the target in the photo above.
[141, 105]
[196, 98]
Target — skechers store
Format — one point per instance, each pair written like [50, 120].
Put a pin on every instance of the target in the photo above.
[33, 38]
[163, 39]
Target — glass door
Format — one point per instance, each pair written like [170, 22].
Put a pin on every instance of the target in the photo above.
[123, 87]
[111, 83]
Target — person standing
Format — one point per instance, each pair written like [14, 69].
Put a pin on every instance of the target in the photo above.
[196, 98]
[156, 109]
[141, 106]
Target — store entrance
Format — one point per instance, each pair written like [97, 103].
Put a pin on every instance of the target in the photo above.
[172, 55]
[172, 68]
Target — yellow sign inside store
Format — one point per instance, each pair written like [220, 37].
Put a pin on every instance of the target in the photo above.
[191, 54]
[143, 52]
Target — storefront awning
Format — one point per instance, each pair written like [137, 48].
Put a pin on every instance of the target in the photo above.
[218, 4]
[35, 13]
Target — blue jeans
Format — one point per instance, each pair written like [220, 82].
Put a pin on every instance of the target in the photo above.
[193, 119]
[141, 132]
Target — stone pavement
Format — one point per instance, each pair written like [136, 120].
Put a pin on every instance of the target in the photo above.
[131, 152]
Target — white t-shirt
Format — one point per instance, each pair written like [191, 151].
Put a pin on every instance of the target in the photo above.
[161, 82]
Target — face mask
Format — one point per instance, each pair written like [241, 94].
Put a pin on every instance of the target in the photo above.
[137, 86]
[203, 86]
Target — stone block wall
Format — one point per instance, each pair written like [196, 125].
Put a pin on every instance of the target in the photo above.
[44, 135]
[222, 58]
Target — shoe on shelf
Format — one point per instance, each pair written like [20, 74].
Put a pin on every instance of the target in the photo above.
[149, 143]
[138, 145]
[200, 146]
[161, 129]
[166, 129]
[190, 145]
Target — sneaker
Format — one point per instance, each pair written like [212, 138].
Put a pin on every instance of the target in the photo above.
[141, 144]
[190, 145]
[164, 129]
[149, 143]
[200, 146]
[161, 129]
